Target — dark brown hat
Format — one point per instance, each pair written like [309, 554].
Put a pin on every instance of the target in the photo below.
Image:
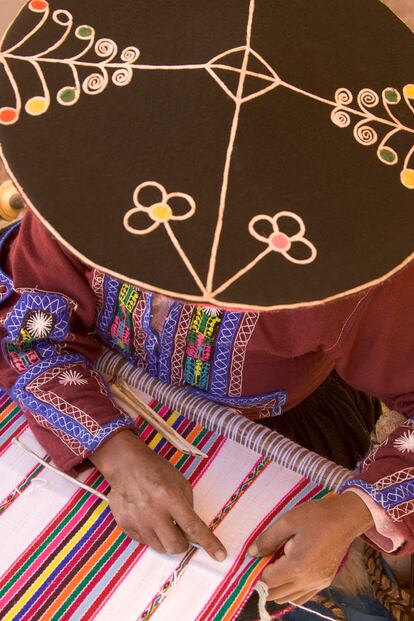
[243, 153]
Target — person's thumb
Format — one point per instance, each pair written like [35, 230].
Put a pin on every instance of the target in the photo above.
[272, 539]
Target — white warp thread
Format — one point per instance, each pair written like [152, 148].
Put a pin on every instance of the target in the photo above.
[34, 485]
[263, 591]
[57, 471]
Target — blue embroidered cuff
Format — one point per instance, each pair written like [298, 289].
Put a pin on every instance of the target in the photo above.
[38, 390]
[394, 493]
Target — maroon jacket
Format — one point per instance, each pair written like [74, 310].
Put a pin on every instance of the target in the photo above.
[57, 314]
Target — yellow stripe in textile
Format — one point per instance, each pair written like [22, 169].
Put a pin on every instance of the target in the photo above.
[56, 560]
[155, 440]
[170, 420]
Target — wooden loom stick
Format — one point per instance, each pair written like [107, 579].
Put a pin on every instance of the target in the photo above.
[46, 464]
[129, 399]
[225, 421]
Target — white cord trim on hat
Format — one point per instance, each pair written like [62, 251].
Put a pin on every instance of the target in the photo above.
[263, 591]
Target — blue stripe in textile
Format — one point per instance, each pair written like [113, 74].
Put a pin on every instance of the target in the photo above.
[63, 563]
[5, 435]
[207, 446]
[110, 571]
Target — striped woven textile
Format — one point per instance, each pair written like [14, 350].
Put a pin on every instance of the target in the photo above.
[64, 558]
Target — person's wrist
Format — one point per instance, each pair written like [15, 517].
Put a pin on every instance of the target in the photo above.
[355, 512]
[117, 454]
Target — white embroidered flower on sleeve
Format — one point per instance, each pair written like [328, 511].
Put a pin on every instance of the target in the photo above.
[72, 378]
[39, 324]
[405, 443]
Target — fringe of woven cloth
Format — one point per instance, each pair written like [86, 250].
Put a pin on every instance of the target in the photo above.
[229, 423]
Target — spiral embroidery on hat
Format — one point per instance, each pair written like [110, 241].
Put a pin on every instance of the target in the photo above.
[119, 67]
[364, 130]
[242, 75]
[105, 68]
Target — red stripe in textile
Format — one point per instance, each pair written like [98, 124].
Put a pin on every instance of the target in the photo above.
[44, 534]
[232, 611]
[121, 574]
[4, 398]
[214, 602]
[14, 492]
[206, 463]
[64, 575]
[146, 433]
[15, 434]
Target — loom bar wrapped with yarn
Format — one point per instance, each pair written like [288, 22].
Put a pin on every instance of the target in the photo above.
[229, 423]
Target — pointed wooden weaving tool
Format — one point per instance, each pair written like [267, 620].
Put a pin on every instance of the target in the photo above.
[131, 402]
[49, 466]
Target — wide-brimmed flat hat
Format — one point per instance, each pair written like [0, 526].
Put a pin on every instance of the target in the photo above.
[240, 153]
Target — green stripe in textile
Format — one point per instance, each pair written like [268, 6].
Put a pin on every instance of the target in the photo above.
[321, 494]
[200, 436]
[182, 461]
[13, 413]
[24, 485]
[234, 595]
[42, 546]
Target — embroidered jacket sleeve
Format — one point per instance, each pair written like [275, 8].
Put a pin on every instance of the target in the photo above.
[375, 353]
[47, 315]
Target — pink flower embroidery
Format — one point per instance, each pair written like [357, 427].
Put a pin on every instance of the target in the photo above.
[279, 241]
[160, 211]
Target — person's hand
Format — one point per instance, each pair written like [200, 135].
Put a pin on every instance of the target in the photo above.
[316, 538]
[150, 500]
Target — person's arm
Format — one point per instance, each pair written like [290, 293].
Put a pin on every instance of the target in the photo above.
[49, 347]
[47, 315]
[370, 338]
[375, 354]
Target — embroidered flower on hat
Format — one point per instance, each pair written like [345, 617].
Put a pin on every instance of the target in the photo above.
[160, 211]
[281, 242]
[405, 443]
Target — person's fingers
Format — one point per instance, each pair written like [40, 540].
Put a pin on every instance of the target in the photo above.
[281, 592]
[304, 599]
[150, 538]
[171, 537]
[144, 535]
[272, 538]
[291, 596]
[196, 531]
[279, 573]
